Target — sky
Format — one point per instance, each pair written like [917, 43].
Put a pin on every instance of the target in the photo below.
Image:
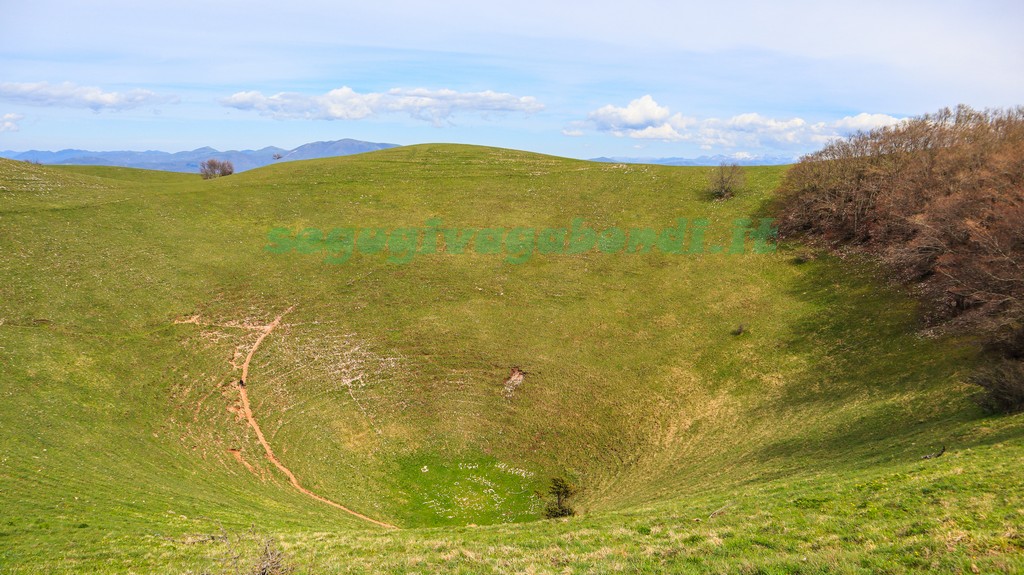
[646, 78]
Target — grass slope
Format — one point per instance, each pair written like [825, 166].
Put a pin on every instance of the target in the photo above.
[794, 447]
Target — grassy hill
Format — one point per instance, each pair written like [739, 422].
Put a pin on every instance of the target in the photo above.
[130, 299]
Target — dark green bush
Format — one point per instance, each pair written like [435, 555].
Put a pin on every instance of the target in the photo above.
[562, 490]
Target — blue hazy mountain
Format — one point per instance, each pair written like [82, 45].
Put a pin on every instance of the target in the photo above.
[702, 160]
[189, 161]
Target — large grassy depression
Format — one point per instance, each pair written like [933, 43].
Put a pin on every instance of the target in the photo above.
[129, 300]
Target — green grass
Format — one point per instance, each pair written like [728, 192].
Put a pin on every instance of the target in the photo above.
[805, 433]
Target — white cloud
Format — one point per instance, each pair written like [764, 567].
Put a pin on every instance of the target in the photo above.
[865, 122]
[346, 104]
[756, 122]
[640, 113]
[659, 132]
[72, 95]
[9, 122]
[644, 118]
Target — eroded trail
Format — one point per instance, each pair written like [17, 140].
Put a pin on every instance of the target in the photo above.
[247, 410]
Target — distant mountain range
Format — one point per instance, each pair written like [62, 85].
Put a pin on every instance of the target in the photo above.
[248, 159]
[703, 160]
[189, 161]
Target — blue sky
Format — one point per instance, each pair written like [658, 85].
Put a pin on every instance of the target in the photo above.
[577, 79]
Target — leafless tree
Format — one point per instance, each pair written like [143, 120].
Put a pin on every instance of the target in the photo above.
[726, 180]
[940, 198]
[214, 168]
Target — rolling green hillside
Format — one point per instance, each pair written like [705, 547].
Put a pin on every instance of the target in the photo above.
[131, 299]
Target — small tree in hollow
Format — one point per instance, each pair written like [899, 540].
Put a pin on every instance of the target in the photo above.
[562, 490]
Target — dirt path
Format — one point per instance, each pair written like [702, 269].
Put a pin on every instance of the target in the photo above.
[263, 440]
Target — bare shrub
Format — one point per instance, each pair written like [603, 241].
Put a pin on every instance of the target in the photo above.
[272, 561]
[725, 180]
[1004, 386]
[248, 553]
[940, 198]
[214, 168]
